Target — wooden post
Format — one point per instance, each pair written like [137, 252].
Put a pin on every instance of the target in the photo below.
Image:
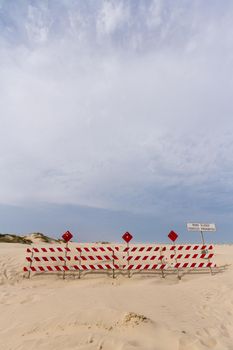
[113, 262]
[30, 265]
[80, 263]
[178, 272]
[128, 259]
[64, 272]
[161, 250]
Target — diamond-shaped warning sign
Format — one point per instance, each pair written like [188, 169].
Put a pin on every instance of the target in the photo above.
[67, 236]
[127, 237]
[173, 236]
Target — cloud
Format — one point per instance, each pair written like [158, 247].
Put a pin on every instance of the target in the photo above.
[117, 105]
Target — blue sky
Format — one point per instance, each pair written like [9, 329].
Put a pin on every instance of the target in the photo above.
[115, 116]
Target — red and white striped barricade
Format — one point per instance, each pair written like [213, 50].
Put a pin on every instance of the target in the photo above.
[47, 259]
[134, 258]
[144, 258]
[91, 258]
[169, 257]
[185, 257]
[85, 258]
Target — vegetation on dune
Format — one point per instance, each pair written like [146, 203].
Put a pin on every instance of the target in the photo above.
[12, 238]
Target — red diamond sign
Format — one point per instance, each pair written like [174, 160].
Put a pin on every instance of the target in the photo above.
[127, 237]
[173, 236]
[67, 236]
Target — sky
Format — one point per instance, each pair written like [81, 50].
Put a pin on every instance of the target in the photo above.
[116, 115]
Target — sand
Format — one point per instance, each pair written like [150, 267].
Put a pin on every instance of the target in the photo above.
[97, 312]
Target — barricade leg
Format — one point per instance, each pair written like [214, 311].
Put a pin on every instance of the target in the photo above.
[64, 272]
[113, 265]
[80, 259]
[161, 257]
[30, 265]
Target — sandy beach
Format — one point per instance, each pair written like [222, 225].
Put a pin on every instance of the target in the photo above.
[98, 312]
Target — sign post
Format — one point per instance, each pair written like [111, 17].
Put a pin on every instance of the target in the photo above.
[173, 237]
[200, 227]
[127, 238]
[67, 237]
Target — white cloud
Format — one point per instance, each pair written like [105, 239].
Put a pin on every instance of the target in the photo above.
[111, 17]
[100, 126]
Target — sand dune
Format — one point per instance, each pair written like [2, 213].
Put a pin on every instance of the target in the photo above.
[97, 312]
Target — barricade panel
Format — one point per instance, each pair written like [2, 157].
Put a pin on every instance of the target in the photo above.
[118, 258]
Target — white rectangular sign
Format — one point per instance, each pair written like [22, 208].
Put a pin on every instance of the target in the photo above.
[201, 227]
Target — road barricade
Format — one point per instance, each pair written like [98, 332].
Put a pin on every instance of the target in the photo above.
[119, 259]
